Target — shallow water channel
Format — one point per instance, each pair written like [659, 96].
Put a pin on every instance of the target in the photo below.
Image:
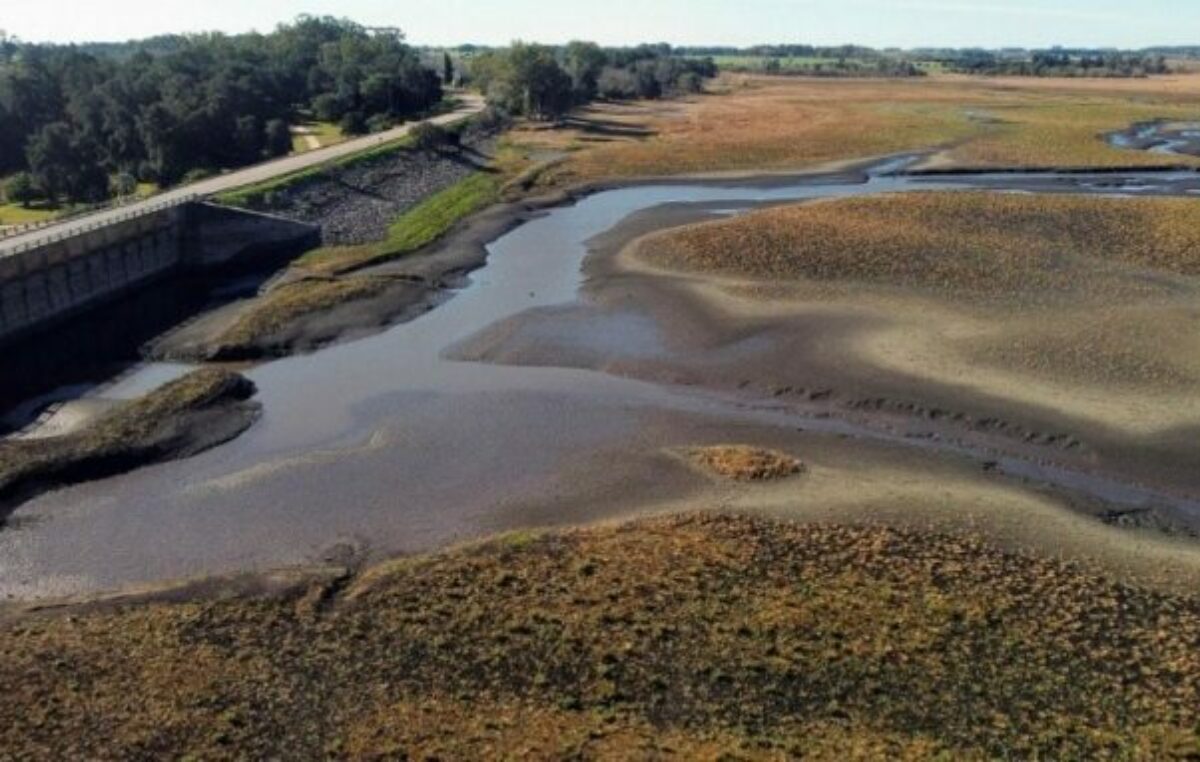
[383, 445]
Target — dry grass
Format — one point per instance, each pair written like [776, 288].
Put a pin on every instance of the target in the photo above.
[281, 307]
[696, 635]
[761, 123]
[964, 245]
[746, 464]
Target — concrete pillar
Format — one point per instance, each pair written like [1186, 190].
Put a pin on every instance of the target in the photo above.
[57, 289]
[12, 299]
[37, 296]
[131, 255]
[97, 264]
[79, 281]
[116, 267]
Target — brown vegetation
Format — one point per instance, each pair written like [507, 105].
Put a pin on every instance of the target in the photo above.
[960, 244]
[746, 464]
[761, 123]
[697, 635]
[281, 306]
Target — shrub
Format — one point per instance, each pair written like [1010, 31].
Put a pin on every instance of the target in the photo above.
[617, 84]
[429, 137]
[379, 123]
[124, 184]
[328, 107]
[279, 138]
[20, 189]
[354, 123]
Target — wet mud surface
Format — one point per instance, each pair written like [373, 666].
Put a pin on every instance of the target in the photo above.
[488, 413]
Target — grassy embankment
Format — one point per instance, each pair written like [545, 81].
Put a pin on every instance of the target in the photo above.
[147, 429]
[700, 637]
[330, 281]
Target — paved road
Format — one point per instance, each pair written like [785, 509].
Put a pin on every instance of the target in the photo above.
[471, 104]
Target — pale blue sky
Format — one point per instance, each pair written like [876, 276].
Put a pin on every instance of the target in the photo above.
[905, 23]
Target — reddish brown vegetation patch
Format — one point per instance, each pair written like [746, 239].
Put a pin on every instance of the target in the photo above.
[746, 464]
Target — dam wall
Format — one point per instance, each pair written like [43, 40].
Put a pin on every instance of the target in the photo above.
[57, 278]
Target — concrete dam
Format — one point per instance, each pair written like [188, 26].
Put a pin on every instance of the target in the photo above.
[59, 277]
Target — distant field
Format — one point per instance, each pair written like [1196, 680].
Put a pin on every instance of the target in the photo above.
[795, 63]
[751, 122]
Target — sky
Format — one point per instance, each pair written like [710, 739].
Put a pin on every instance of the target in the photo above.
[878, 23]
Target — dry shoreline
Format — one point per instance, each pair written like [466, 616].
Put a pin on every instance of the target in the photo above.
[183, 418]
[465, 249]
[425, 278]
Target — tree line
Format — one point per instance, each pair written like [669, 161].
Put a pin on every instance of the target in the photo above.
[83, 123]
[542, 82]
[1058, 63]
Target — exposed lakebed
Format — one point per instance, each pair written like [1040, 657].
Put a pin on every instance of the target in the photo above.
[387, 445]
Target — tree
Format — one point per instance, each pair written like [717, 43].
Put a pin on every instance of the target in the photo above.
[447, 69]
[584, 61]
[279, 138]
[327, 107]
[19, 189]
[249, 138]
[617, 84]
[124, 184]
[429, 137]
[160, 136]
[354, 123]
[534, 84]
[51, 159]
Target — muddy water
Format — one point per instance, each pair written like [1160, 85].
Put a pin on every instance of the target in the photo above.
[1160, 138]
[384, 446]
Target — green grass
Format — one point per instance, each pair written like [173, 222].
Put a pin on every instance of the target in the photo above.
[415, 229]
[326, 133]
[15, 214]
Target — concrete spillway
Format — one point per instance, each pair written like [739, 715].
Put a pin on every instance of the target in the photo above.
[57, 278]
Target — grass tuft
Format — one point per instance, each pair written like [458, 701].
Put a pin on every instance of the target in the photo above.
[704, 636]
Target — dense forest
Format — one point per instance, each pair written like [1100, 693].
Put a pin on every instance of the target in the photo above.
[543, 82]
[84, 122]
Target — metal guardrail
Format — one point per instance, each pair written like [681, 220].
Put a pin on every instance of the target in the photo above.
[76, 231]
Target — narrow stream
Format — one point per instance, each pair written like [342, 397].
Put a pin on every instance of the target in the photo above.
[383, 445]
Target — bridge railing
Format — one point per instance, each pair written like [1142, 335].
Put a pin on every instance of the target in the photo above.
[75, 231]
